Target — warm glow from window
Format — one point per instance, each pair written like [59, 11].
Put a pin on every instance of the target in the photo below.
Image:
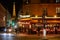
[4, 18]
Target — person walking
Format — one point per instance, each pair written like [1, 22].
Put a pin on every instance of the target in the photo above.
[38, 30]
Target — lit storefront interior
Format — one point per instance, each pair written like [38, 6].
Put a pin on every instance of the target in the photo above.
[33, 22]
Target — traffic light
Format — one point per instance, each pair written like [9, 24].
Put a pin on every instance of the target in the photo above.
[13, 22]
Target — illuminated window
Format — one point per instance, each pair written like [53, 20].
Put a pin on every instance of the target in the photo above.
[58, 11]
[57, 1]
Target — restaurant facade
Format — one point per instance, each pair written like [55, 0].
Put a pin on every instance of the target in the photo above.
[33, 15]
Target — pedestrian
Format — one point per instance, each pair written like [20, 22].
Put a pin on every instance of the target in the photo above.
[55, 29]
[38, 30]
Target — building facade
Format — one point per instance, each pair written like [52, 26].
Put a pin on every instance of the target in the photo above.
[43, 13]
[36, 8]
[3, 14]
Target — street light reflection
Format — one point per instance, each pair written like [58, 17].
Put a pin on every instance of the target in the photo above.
[5, 34]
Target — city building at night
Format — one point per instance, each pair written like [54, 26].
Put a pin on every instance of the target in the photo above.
[35, 10]
[3, 15]
[33, 14]
[29, 19]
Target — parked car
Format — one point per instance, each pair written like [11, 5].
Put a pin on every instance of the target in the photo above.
[9, 30]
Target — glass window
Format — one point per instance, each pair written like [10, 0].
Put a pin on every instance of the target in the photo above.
[57, 1]
[58, 11]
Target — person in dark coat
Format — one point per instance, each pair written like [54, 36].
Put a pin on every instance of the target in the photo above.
[38, 30]
[55, 29]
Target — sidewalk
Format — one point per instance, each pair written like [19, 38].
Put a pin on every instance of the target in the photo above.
[41, 35]
[22, 36]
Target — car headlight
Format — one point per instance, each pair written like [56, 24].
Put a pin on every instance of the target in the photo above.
[10, 30]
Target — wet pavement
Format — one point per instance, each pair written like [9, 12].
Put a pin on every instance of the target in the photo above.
[9, 36]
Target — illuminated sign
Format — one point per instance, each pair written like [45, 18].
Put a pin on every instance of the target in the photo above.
[24, 16]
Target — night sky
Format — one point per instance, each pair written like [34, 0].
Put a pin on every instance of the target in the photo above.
[8, 4]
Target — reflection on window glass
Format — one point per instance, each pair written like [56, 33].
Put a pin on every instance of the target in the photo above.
[58, 11]
[57, 1]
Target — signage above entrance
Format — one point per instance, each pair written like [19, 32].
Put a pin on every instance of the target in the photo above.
[24, 16]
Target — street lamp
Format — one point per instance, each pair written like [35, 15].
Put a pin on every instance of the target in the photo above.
[44, 22]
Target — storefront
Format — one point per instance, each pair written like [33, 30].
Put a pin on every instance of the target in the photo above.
[33, 23]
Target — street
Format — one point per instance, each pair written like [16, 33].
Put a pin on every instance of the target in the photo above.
[8, 36]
